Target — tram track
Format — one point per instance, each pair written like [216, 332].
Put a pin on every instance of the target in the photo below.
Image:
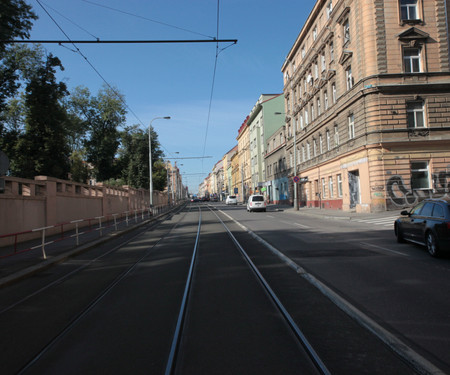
[194, 301]
[306, 359]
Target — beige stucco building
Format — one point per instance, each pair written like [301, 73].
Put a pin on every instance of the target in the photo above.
[243, 138]
[367, 88]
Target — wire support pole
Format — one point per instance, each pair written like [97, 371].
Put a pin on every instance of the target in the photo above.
[98, 41]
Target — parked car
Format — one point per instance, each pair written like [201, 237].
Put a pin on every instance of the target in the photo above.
[256, 203]
[427, 224]
[231, 199]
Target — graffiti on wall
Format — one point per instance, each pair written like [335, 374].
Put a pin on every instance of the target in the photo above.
[401, 194]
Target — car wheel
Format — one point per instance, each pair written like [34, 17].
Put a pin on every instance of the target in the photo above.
[399, 234]
[432, 246]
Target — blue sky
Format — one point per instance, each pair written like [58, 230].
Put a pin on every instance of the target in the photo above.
[176, 79]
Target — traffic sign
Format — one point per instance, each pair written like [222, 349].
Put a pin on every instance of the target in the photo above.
[296, 179]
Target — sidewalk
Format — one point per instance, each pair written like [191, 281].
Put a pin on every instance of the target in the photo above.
[335, 214]
[21, 265]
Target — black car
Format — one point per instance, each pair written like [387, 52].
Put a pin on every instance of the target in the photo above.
[427, 224]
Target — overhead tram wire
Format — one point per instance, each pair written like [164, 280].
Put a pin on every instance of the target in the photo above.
[77, 50]
[90, 64]
[213, 80]
[146, 19]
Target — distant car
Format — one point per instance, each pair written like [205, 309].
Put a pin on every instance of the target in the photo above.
[194, 199]
[256, 203]
[427, 224]
[231, 199]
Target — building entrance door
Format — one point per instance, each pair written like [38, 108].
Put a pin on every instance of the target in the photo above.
[353, 185]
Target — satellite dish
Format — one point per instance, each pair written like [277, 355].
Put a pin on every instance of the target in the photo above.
[4, 163]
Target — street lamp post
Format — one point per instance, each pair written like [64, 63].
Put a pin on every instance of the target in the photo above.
[150, 157]
[295, 164]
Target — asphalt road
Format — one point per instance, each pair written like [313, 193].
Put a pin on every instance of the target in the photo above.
[114, 308]
[398, 286]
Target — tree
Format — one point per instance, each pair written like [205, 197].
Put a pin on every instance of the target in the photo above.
[43, 149]
[103, 115]
[133, 158]
[16, 21]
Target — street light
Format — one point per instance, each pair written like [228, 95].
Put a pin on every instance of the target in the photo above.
[295, 163]
[150, 156]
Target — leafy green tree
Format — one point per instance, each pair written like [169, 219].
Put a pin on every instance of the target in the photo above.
[159, 175]
[43, 149]
[103, 115]
[79, 171]
[16, 19]
[133, 158]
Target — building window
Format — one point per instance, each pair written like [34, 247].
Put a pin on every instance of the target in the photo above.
[329, 8]
[323, 63]
[303, 52]
[328, 140]
[315, 33]
[291, 160]
[336, 135]
[324, 188]
[320, 143]
[351, 127]
[411, 60]
[319, 110]
[339, 185]
[420, 175]
[301, 121]
[346, 31]
[333, 91]
[325, 99]
[349, 78]
[408, 10]
[331, 51]
[306, 117]
[308, 151]
[330, 186]
[313, 114]
[303, 153]
[314, 147]
[415, 114]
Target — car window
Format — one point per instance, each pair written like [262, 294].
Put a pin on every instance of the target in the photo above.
[231, 196]
[416, 210]
[258, 198]
[438, 211]
[427, 209]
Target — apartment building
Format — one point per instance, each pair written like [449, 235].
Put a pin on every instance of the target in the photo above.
[367, 90]
[227, 171]
[277, 172]
[243, 138]
[262, 122]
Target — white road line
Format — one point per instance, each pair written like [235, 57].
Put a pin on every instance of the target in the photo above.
[383, 249]
[302, 226]
[396, 344]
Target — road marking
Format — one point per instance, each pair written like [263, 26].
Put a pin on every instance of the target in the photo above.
[397, 345]
[290, 223]
[302, 226]
[384, 249]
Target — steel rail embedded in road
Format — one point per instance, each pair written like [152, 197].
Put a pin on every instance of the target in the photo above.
[76, 319]
[182, 313]
[298, 333]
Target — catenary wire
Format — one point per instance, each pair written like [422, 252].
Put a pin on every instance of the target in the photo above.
[95, 69]
[146, 19]
[213, 82]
